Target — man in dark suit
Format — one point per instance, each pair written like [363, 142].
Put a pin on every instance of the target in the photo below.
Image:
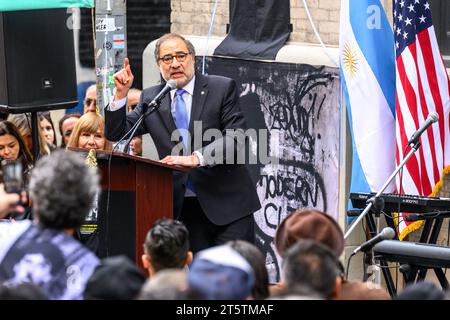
[216, 197]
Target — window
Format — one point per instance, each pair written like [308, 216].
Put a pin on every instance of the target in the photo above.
[440, 10]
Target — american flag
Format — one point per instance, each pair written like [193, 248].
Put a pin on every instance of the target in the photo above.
[422, 87]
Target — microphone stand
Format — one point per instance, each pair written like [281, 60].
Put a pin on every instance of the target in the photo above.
[375, 200]
[145, 112]
[378, 204]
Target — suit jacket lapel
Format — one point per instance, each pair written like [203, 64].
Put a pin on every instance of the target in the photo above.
[198, 100]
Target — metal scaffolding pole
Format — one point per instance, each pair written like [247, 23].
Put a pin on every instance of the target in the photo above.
[110, 46]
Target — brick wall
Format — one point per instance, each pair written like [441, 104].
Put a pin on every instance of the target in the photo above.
[325, 14]
[193, 17]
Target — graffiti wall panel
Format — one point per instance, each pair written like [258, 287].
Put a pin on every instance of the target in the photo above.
[294, 111]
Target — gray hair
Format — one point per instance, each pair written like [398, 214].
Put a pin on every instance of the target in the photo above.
[63, 189]
[169, 36]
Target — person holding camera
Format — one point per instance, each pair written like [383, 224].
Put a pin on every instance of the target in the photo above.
[9, 202]
[43, 251]
[16, 162]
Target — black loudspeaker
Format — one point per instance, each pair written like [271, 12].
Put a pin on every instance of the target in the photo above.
[37, 61]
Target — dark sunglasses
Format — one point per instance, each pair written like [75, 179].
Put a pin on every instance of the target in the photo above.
[88, 101]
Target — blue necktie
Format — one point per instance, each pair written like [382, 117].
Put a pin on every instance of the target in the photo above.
[181, 116]
[182, 122]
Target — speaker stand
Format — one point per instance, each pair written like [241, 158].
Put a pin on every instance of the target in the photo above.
[35, 136]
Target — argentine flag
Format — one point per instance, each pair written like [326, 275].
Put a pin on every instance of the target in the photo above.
[367, 63]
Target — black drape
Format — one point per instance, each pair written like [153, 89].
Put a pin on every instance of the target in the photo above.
[258, 29]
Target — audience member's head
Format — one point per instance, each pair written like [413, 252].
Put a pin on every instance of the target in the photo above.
[421, 291]
[89, 133]
[90, 99]
[66, 125]
[117, 278]
[220, 273]
[12, 145]
[257, 261]
[309, 224]
[168, 284]
[47, 128]
[357, 290]
[23, 291]
[166, 246]
[23, 123]
[318, 226]
[13, 150]
[136, 145]
[310, 265]
[63, 189]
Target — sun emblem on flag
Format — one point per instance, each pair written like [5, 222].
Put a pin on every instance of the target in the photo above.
[350, 60]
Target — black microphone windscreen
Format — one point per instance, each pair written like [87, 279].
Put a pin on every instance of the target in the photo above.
[412, 217]
[172, 84]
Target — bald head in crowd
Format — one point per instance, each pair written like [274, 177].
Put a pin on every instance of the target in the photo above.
[90, 99]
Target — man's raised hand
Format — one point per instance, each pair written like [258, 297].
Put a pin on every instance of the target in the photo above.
[123, 80]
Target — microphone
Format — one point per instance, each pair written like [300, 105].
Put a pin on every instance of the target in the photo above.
[130, 133]
[170, 85]
[124, 147]
[386, 233]
[432, 118]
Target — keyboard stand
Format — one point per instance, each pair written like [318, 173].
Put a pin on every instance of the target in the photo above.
[427, 209]
[434, 226]
[383, 263]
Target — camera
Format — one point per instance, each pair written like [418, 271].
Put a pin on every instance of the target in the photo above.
[12, 176]
[12, 172]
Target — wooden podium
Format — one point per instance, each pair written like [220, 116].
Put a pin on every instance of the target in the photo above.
[135, 193]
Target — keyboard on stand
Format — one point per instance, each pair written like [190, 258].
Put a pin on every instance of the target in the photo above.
[415, 253]
[408, 203]
[419, 256]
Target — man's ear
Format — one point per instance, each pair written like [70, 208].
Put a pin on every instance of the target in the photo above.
[189, 257]
[337, 288]
[145, 261]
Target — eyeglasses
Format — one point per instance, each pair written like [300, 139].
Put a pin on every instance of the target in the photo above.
[168, 58]
[88, 101]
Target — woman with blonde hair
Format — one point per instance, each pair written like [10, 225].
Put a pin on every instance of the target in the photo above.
[89, 133]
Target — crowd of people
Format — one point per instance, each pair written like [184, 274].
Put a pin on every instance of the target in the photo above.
[207, 251]
[43, 260]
